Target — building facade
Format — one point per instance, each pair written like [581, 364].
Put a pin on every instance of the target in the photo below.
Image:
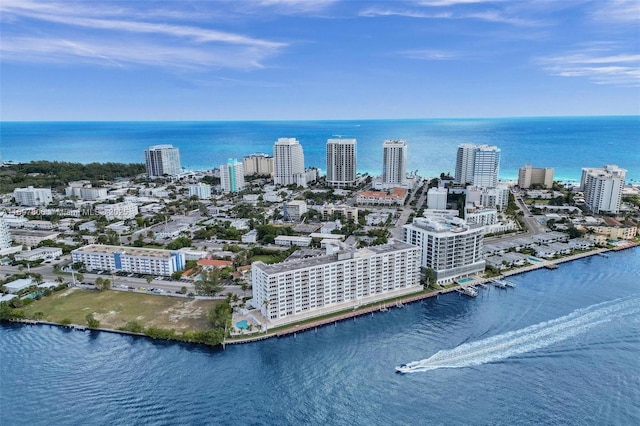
[602, 188]
[84, 191]
[478, 165]
[529, 176]
[120, 211]
[258, 164]
[394, 162]
[33, 197]
[129, 259]
[200, 190]
[232, 176]
[162, 160]
[437, 198]
[449, 246]
[288, 163]
[5, 234]
[341, 162]
[302, 288]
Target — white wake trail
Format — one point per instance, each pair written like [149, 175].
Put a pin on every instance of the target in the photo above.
[525, 340]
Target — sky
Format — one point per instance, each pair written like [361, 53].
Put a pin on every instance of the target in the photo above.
[317, 59]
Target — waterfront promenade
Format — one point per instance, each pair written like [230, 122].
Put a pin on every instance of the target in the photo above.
[398, 302]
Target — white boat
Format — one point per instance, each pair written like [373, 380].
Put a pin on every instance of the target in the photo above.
[468, 291]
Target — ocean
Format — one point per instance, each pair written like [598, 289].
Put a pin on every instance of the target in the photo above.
[559, 349]
[565, 143]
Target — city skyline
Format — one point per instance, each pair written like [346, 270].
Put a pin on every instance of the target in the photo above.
[329, 59]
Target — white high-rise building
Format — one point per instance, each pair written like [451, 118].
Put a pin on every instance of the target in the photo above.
[162, 160]
[602, 188]
[258, 164]
[478, 165]
[232, 176]
[200, 190]
[341, 162]
[5, 235]
[33, 197]
[394, 167]
[450, 247]
[288, 163]
[302, 288]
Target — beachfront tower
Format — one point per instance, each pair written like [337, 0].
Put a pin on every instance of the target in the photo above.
[341, 162]
[162, 161]
[394, 167]
[232, 176]
[5, 235]
[603, 188]
[478, 165]
[288, 163]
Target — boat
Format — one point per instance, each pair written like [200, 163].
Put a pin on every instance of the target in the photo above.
[402, 368]
[468, 291]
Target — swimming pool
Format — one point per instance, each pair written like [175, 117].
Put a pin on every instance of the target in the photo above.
[242, 325]
[465, 280]
[533, 259]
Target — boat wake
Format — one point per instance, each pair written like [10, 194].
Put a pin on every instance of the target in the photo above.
[525, 340]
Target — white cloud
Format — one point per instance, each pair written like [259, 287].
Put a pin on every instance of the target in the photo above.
[110, 36]
[431, 55]
[618, 11]
[488, 15]
[598, 65]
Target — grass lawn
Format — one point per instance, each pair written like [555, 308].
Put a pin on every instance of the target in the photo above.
[115, 308]
[263, 258]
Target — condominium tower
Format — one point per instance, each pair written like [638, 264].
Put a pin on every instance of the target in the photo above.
[529, 176]
[450, 247]
[162, 160]
[258, 164]
[288, 159]
[603, 188]
[232, 176]
[478, 165]
[394, 167]
[302, 288]
[33, 197]
[341, 162]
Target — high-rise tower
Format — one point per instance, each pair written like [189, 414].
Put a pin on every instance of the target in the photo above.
[394, 168]
[232, 176]
[288, 162]
[341, 162]
[162, 160]
[478, 165]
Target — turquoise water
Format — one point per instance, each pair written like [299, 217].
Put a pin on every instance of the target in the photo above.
[533, 259]
[559, 349]
[565, 143]
[465, 280]
[243, 325]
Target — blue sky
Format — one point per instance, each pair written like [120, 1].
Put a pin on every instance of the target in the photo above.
[317, 59]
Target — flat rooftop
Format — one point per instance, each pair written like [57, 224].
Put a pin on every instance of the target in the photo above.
[310, 262]
[131, 251]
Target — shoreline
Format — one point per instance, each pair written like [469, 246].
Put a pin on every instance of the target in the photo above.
[395, 302]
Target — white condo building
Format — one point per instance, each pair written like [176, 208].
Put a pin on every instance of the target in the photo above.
[602, 188]
[162, 160]
[84, 191]
[120, 211]
[129, 259]
[232, 176]
[437, 198]
[258, 164]
[200, 190]
[394, 167]
[5, 235]
[288, 163]
[303, 288]
[33, 197]
[529, 176]
[341, 162]
[496, 197]
[478, 165]
[450, 247]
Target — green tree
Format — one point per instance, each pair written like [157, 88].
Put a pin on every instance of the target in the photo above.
[209, 283]
[92, 322]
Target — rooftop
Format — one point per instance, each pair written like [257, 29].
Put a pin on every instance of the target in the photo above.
[131, 251]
